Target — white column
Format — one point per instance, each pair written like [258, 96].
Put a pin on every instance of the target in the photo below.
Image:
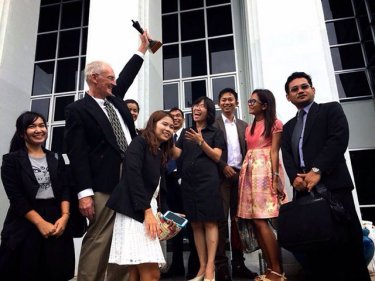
[112, 38]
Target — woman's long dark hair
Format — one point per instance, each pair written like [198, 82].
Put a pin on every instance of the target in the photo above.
[266, 97]
[23, 121]
[149, 134]
[210, 106]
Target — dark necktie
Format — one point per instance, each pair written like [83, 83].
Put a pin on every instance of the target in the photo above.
[116, 126]
[172, 165]
[296, 136]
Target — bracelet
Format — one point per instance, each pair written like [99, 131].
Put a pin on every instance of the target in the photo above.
[201, 142]
[276, 174]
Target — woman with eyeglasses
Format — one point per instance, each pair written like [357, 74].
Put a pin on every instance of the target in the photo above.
[261, 180]
[200, 148]
[36, 243]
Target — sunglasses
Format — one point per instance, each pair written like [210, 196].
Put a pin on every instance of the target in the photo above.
[253, 102]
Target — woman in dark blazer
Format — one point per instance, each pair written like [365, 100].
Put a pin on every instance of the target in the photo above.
[35, 242]
[134, 240]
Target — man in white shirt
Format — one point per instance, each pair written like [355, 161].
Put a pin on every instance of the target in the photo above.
[230, 165]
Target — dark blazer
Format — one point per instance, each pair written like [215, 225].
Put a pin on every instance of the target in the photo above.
[141, 173]
[21, 187]
[325, 141]
[89, 140]
[241, 127]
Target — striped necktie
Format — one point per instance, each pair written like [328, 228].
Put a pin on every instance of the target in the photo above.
[116, 126]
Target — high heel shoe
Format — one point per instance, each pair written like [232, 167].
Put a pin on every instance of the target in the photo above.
[264, 278]
[197, 278]
[205, 279]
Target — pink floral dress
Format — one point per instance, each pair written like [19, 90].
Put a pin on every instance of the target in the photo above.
[256, 199]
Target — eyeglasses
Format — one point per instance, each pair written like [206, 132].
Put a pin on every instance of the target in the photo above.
[253, 102]
[199, 105]
[303, 87]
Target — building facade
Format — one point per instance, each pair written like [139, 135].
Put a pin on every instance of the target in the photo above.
[208, 45]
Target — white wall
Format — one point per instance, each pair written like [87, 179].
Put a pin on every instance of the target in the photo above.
[18, 27]
[113, 39]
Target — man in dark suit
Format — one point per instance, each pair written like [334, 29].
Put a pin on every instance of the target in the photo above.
[315, 154]
[98, 129]
[230, 165]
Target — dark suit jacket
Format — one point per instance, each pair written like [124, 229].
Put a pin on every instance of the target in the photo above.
[241, 127]
[21, 187]
[141, 173]
[89, 140]
[325, 141]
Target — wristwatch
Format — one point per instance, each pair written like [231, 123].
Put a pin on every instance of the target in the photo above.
[316, 170]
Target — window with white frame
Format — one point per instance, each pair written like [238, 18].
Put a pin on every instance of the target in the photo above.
[60, 59]
[351, 33]
[198, 51]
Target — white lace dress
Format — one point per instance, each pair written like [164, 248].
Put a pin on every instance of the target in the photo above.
[131, 245]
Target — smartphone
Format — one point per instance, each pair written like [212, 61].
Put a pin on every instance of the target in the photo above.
[176, 218]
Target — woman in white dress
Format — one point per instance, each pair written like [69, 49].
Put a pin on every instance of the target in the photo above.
[135, 235]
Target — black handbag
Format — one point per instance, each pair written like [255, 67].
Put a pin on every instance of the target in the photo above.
[312, 222]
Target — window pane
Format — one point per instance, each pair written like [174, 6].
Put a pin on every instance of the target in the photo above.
[188, 120]
[43, 78]
[190, 4]
[368, 214]
[69, 43]
[215, 2]
[170, 28]
[364, 175]
[220, 83]
[170, 96]
[365, 29]
[219, 20]
[192, 25]
[84, 41]
[171, 65]
[45, 2]
[194, 59]
[222, 55]
[342, 31]
[347, 57]
[352, 85]
[194, 90]
[86, 13]
[370, 53]
[60, 104]
[334, 9]
[71, 15]
[41, 106]
[46, 46]
[168, 6]
[66, 75]
[82, 74]
[57, 139]
[49, 18]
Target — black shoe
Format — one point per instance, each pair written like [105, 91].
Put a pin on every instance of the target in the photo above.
[222, 273]
[239, 270]
[173, 271]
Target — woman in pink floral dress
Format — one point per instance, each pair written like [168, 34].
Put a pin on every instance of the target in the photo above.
[261, 183]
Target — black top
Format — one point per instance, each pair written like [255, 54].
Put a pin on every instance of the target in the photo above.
[141, 174]
[200, 177]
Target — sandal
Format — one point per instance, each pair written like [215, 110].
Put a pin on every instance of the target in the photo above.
[264, 278]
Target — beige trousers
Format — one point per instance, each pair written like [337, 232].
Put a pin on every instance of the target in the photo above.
[93, 261]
